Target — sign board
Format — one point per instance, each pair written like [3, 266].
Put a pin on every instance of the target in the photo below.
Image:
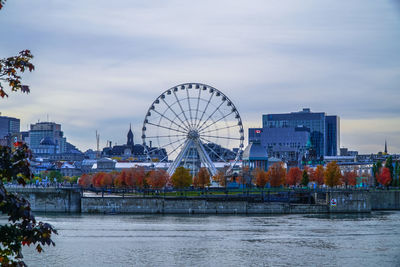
[333, 202]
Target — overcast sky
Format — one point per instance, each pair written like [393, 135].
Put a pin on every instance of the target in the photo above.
[100, 64]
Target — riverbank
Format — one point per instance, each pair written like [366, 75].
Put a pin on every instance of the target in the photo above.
[71, 200]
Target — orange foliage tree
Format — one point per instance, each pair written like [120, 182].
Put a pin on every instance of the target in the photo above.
[97, 179]
[157, 179]
[202, 179]
[332, 174]
[85, 180]
[293, 177]
[317, 175]
[220, 177]
[120, 180]
[261, 177]
[349, 178]
[384, 177]
[138, 175]
[276, 174]
[106, 180]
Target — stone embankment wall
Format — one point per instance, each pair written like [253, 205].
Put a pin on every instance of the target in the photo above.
[70, 200]
[51, 199]
[191, 206]
[385, 200]
[348, 201]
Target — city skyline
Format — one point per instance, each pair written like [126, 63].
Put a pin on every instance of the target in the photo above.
[111, 62]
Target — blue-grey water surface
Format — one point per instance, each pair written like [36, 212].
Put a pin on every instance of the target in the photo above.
[287, 240]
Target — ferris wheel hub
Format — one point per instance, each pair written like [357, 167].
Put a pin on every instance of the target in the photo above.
[193, 134]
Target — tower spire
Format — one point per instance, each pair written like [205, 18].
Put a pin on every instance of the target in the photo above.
[130, 136]
[386, 151]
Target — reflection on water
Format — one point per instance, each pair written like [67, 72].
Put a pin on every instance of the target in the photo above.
[150, 240]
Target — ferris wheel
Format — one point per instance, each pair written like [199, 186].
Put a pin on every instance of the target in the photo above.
[194, 124]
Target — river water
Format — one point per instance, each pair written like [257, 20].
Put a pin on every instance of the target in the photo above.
[284, 240]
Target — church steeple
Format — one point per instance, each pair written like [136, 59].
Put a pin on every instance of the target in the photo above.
[130, 136]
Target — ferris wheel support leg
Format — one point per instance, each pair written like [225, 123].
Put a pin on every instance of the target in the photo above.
[206, 158]
[179, 158]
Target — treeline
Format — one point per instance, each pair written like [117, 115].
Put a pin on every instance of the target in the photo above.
[132, 178]
[275, 176]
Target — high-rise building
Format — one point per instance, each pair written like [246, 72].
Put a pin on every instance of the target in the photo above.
[45, 137]
[332, 136]
[9, 126]
[324, 130]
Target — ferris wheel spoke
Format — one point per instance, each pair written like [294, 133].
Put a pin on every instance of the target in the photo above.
[175, 148]
[165, 127]
[190, 109]
[172, 122]
[209, 117]
[183, 112]
[197, 109]
[201, 129]
[173, 111]
[205, 109]
[220, 137]
[217, 129]
[212, 150]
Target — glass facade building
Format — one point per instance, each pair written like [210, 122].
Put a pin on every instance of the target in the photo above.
[9, 126]
[324, 130]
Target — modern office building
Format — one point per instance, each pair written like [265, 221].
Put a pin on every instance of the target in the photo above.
[324, 130]
[47, 137]
[9, 126]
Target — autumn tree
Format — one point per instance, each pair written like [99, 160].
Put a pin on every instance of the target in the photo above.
[261, 177]
[317, 176]
[384, 177]
[221, 176]
[11, 69]
[293, 177]
[120, 179]
[276, 174]
[202, 179]
[106, 180]
[246, 177]
[157, 179]
[137, 176]
[181, 178]
[349, 178]
[332, 174]
[305, 179]
[85, 180]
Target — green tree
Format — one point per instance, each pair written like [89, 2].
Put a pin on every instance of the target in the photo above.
[305, 178]
[396, 174]
[55, 174]
[389, 165]
[181, 178]
[376, 168]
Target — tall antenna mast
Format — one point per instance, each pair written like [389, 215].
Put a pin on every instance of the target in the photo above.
[98, 144]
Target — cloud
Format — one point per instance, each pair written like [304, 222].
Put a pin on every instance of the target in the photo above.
[101, 64]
